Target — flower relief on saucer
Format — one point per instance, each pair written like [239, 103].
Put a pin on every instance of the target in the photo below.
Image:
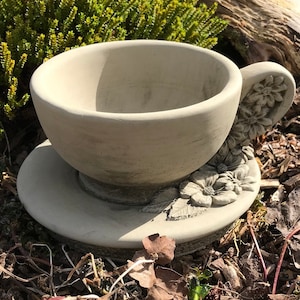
[221, 180]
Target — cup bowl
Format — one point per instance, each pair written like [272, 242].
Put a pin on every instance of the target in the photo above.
[137, 113]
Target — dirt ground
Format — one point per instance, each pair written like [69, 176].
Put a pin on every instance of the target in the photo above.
[259, 258]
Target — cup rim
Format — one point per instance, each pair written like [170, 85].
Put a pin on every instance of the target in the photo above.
[230, 88]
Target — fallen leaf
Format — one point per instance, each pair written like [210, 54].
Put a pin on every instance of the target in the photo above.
[169, 285]
[144, 272]
[160, 247]
[285, 216]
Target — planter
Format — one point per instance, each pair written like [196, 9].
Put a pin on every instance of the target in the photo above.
[146, 137]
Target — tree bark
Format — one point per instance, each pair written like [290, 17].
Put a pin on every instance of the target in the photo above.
[263, 30]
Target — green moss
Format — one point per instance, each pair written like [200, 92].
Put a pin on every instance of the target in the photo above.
[32, 31]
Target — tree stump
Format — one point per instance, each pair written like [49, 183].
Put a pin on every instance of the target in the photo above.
[263, 30]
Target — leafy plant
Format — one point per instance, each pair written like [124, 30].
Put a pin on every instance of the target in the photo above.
[34, 31]
[198, 288]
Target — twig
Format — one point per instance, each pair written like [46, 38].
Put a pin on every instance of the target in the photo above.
[78, 265]
[68, 258]
[94, 266]
[115, 266]
[283, 250]
[138, 262]
[249, 217]
[8, 273]
[50, 274]
[73, 267]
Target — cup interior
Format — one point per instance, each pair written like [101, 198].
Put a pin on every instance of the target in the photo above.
[134, 77]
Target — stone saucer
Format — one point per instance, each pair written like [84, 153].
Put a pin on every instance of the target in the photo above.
[50, 191]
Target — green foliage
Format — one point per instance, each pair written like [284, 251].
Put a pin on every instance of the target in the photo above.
[32, 31]
[198, 288]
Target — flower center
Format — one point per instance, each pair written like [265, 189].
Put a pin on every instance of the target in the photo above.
[209, 191]
[252, 120]
[267, 91]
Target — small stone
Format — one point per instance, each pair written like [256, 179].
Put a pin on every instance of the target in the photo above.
[188, 188]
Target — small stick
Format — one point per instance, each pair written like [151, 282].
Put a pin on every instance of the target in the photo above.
[249, 216]
[285, 245]
[3, 270]
[50, 274]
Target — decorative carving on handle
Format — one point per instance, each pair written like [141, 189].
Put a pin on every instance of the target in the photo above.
[254, 116]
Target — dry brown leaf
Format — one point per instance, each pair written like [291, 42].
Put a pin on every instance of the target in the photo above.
[160, 247]
[143, 273]
[169, 285]
[285, 216]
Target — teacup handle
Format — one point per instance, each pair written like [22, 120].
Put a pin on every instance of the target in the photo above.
[267, 93]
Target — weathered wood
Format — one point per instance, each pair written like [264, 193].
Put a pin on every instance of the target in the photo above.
[263, 30]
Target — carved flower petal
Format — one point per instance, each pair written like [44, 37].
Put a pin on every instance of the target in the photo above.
[270, 100]
[265, 122]
[278, 80]
[247, 187]
[258, 87]
[201, 200]
[238, 189]
[269, 80]
[255, 97]
[238, 132]
[204, 177]
[256, 130]
[223, 180]
[229, 186]
[245, 142]
[188, 188]
[241, 172]
[257, 109]
[278, 97]
[248, 152]
[224, 198]
[245, 112]
[280, 88]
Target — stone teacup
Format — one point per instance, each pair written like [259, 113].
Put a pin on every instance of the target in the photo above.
[146, 113]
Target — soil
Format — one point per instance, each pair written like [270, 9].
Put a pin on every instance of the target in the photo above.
[249, 262]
